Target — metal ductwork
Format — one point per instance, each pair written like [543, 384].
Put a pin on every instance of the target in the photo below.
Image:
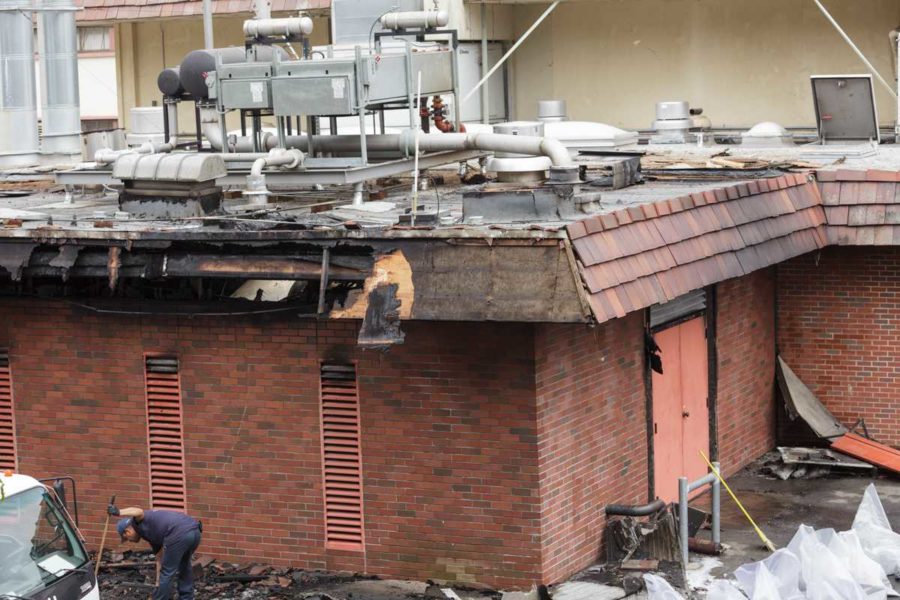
[18, 100]
[61, 113]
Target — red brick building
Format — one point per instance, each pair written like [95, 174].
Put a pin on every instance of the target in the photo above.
[483, 448]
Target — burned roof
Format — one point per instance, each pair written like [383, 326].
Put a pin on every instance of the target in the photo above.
[680, 230]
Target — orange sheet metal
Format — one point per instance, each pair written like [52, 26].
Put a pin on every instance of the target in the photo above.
[869, 451]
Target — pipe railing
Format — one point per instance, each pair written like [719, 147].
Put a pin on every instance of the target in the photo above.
[684, 490]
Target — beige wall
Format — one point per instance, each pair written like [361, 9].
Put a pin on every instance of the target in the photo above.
[144, 48]
[741, 61]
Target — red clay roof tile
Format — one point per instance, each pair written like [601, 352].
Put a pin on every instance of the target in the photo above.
[850, 175]
[655, 256]
[886, 176]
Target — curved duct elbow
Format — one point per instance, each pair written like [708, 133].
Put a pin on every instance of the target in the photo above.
[426, 19]
[495, 142]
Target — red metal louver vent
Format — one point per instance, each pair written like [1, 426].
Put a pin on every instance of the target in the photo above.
[341, 458]
[7, 420]
[164, 433]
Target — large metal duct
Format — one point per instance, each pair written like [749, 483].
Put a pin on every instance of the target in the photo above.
[61, 114]
[18, 100]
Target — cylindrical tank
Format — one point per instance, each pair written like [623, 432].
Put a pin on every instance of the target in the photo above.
[292, 26]
[61, 115]
[199, 63]
[425, 19]
[169, 82]
[18, 101]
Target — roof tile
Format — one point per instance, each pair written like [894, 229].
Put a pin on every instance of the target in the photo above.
[850, 175]
[886, 176]
[577, 229]
[652, 255]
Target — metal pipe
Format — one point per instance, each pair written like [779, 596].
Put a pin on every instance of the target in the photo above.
[444, 142]
[288, 27]
[485, 65]
[684, 489]
[419, 19]
[716, 508]
[19, 145]
[277, 158]
[859, 53]
[262, 9]
[208, 42]
[61, 113]
[894, 36]
[635, 510]
[512, 50]
[683, 519]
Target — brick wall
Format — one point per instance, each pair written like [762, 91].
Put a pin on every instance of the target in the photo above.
[839, 330]
[448, 422]
[745, 344]
[592, 434]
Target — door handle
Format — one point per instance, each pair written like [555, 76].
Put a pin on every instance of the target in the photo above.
[685, 414]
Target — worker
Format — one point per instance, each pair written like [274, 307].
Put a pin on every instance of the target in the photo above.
[173, 536]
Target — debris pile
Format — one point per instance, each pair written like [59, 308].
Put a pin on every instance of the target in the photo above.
[132, 574]
[816, 565]
[812, 463]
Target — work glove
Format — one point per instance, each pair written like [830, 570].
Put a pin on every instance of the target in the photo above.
[112, 511]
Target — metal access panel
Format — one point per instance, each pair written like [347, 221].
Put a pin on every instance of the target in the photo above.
[354, 21]
[389, 82]
[245, 86]
[246, 94]
[845, 108]
[470, 74]
[320, 88]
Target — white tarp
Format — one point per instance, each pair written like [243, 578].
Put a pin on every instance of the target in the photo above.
[817, 564]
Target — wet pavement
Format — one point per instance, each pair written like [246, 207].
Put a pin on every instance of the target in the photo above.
[780, 507]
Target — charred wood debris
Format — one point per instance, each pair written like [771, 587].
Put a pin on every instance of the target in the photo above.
[132, 574]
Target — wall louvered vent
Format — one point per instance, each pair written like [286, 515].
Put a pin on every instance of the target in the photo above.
[164, 433]
[341, 458]
[7, 420]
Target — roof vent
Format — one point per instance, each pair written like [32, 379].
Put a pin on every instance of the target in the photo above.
[767, 133]
[673, 123]
[552, 111]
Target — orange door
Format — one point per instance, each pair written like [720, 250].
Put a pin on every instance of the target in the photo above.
[680, 407]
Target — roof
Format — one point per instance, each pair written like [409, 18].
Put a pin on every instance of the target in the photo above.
[132, 10]
[861, 207]
[643, 255]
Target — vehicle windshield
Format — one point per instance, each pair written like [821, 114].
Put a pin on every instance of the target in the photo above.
[37, 543]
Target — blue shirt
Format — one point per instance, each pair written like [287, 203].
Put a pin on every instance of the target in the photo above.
[162, 527]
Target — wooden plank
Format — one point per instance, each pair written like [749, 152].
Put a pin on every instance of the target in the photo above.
[870, 451]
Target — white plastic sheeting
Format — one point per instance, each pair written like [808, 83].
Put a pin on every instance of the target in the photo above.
[659, 589]
[879, 541]
[817, 564]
